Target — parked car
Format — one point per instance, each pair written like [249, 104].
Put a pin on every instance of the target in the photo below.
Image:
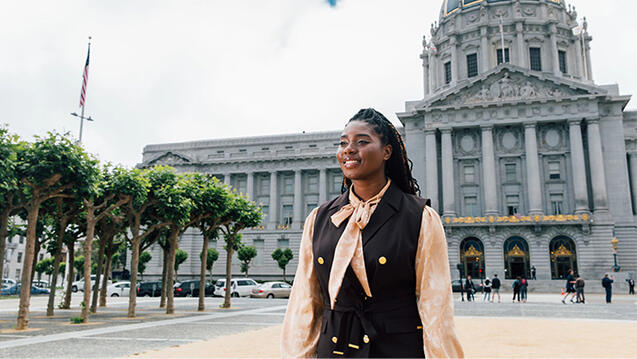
[8, 282]
[149, 289]
[15, 290]
[79, 285]
[455, 285]
[190, 288]
[272, 290]
[41, 283]
[240, 287]
[119, 289]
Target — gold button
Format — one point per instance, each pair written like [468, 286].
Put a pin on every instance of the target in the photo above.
[320, 260]
[382, 260]
[419, 327]
[334, 340]
[365, 339]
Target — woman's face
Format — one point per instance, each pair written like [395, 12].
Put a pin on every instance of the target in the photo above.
[361, 153]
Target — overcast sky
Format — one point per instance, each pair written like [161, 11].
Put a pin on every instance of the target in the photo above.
[171, 71]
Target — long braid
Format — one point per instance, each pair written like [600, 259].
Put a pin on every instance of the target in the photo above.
[398, 167]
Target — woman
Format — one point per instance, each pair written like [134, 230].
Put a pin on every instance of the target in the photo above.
[524, 284]
[487, 290]
[516, 288]
[373, 275]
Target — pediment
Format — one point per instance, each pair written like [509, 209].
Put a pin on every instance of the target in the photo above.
[170, 158]
[508, 84]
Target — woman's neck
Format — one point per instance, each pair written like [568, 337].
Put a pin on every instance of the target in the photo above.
[366, 189]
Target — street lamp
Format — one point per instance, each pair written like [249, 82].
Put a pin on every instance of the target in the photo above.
[459, 266]
[615, 242]
[82, 118]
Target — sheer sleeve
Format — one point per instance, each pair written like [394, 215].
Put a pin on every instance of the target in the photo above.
[433, 290]
[302, 324]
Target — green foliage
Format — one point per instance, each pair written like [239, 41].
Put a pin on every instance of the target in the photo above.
[62, 267]
[180, 257]
[282, 257]
[245, 255]
[144, 258]
[44, 266]
[76, 320]
[78, 264]
[8, 154]
[212, 257]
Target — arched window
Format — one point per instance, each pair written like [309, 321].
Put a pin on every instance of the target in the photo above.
[516, 258]
[563, 257]
[472, 257]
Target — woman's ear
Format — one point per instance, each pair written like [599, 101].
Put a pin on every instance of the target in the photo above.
[387, 152]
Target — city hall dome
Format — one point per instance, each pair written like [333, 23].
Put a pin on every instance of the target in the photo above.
[451, 6]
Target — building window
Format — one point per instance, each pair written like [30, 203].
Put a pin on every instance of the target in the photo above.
[17, 273]
[513, 202]
[21, 239]
[289, 147]
[19, 257]
[259, 245]
[264, 186]
[536, 58]
[266, 213]
[42, 256]
[242, 150]
[472, 65]
[309, 207]
[511, 172]
[563, 257]
[10, 239]
[220, 151]
[336, 184]
[469, 174]
[554, 170]
[288, 185]
[242, 185]
[471, 206]
[506, 56]
[287, 211]
[562, 57]
[265, 148]
[312, 146]
[283, 243]
[312, 184]
[557, 203]
[447, 72]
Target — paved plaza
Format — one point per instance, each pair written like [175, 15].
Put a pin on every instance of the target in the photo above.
[254, 324]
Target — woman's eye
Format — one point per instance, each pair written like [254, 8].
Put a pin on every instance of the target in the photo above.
[363, 142]
[343, 143]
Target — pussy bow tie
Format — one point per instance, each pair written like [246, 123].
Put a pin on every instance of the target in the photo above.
[349, 249]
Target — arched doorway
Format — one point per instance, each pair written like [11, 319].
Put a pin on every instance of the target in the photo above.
[472, 257]
[563, 257]
[516, 258]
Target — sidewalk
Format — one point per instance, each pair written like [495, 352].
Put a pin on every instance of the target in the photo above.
[481, 338]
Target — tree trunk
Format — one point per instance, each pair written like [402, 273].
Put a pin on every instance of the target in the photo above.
[90, 231]
[4, 229]
[284, 275]
[229, 250]
[107, 276]
[36, 251]
[132, 297]
[202, 274]
[69, 280]
[100, 261]
[25, 292]
[50, 307]
[164, 276]
[170, 269]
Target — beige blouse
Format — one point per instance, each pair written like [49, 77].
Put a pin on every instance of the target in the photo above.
[302, 324]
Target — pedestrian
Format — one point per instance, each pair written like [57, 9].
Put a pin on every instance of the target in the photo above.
[375, 255]
[631, 285]
[487, 290]
[533, 273]
[579, 290]
[570, 286]
[524, 284]
[495, 287]
[469, 289]
[607, 283]
[516, 288]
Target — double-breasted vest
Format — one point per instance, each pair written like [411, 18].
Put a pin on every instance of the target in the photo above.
[387, 324]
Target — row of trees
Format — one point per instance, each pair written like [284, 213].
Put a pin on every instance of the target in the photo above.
[58, 188]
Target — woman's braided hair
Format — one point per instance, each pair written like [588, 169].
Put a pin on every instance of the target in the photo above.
[398, 166]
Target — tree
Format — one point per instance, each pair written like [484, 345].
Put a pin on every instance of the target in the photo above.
[44, 266]
[282, 257]
[180, 257]
[8, 186]
[245, 255]
[144, 258]
[212, 257]
[46, 169]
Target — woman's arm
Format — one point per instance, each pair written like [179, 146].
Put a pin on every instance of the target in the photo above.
[433, 289]
[302, 324]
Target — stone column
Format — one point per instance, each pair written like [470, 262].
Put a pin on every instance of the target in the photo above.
[587, 50]
[596, 159]
[322, 186]
[425, 72]
[297, 219]
[579, 58]
[250, 185]
[519, 37]
[484, 50]
[431, 162]
[554, 57]
[274, 200]
[448, 187]
[226, 178]
[578, 167]
[532, 169]
[488, 171]
[416, 149]
[454, 60]
[633, 177]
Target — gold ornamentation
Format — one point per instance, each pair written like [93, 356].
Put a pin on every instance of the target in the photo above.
[337, 352]
[334, 340]
[365, 339]
[353, 346]
[320, 260]
[561, 251]
[472, 252]
[382, 260]
[516, 252]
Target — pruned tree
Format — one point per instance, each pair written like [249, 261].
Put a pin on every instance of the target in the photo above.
[44, 266]
[144, 258]
[8, 186]
[74, 232]
[246, 254]
[211, 258]
[282, 257]
[180, 257]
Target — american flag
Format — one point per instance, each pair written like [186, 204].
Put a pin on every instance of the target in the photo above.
[85, 78]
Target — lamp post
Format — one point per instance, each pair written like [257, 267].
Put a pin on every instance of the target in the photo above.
[615, 242]
[459, 266]
[82, 118]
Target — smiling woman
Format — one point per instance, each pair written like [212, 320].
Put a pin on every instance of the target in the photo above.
[373, 275]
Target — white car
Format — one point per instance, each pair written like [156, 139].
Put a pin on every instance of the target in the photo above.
[79, 285]
[8, 283]
[119, 289]
[241, 287]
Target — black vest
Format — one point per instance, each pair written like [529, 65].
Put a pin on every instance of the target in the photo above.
[386, 324]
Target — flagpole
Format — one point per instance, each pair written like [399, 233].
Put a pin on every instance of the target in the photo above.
[84, 103]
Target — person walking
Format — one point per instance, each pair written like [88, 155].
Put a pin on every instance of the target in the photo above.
[469, 288]
[579, 290]
[487, 290]
[516, 288]
[533, 273]
[570, 286]
[524, 284]
[607, 283]
[495, 287]
[631, 285]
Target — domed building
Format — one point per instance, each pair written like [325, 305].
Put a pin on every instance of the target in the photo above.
[530, 163]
